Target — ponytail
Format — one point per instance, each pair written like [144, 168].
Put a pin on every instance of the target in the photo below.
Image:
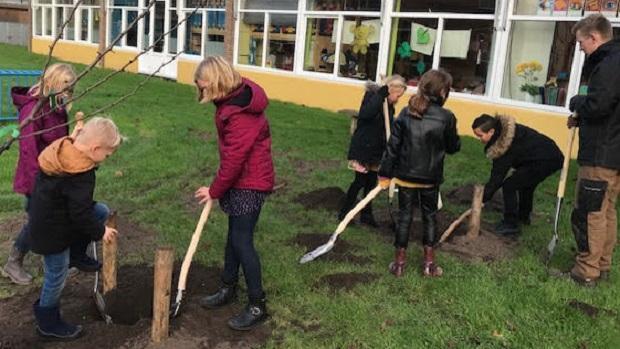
[433, 85]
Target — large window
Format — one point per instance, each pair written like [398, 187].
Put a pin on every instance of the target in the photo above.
[267, 32]
[204, 30]
[459, 38]
[48, 17]
[121, 14]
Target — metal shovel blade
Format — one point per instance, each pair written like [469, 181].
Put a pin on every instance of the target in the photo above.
[319, 251]
[100, 303]
[554, 240]
[176, 306]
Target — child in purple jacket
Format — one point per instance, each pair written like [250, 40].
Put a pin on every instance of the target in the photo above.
[53, 113]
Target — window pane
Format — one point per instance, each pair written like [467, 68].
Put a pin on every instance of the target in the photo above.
[172, 37]
[84, 25]
[64, 2]
[116, 16]
[207, 3]
[70, 29]
[45, 1]
[38, 13]
[193, 34]
[147, 31]
[411, 49]
[549, 8]
[320, 49]
[281, 42]
[344, 5]
[59, 20]
[538, 64]
[90, 2]
[358, 57]
[480, 6]
[466, 48]
[251, 27]
[132, 34]
[216, 21]
[47, 13]
[95, 25]
[269, 4]
[158, 30]
[133, 3]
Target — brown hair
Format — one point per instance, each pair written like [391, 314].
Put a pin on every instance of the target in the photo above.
[594, 23]
[433, 84]
[221, 78]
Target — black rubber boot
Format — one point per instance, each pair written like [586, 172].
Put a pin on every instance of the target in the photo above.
[85, 263]
[225, 295]
[50, 325]
[504, 228]
[252, 315]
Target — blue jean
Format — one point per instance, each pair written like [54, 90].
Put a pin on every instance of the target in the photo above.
[22, 241]
[55, 266]
[240, 251]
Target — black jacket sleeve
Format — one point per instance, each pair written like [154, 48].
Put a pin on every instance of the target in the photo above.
[603, 94]
[500, 168]
[80, 206]
[372, 104]
[390, 157]
[453, 141]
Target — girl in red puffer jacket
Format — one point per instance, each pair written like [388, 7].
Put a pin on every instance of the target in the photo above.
[243, 180]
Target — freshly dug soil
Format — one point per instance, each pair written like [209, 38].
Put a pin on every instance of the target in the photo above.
[345, 281]
[464, 194]
[131, 307]
[343, 251]
[329, 199]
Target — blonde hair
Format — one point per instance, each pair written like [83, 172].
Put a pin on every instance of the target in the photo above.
[220, 77]
[57, 77]
[395, 82]
[101, 130]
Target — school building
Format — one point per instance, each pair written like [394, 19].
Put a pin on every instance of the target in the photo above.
[506, 56]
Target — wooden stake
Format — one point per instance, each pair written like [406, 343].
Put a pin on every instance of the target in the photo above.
[476, 209]
[108, 271]
[446, 234]
[164, 258]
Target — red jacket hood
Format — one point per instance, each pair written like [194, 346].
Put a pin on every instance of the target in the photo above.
[258, 102]
[21, 97]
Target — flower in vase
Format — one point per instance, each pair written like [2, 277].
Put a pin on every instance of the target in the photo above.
[527, 71]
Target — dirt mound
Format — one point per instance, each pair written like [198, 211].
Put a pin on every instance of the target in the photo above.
[345, 281]
[131, 303]
[343, 251]
[329, 198]
[589, 310]
[464, 194]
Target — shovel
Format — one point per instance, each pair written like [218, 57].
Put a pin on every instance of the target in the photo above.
[323, 249]
[561, 187]
[99, 301]
[187, 261]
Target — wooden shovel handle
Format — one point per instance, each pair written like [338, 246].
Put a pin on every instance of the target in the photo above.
[386, 120]
[567, 153]
[360, 205]
[187, 261]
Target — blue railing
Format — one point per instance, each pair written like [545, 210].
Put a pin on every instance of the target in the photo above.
[8, 79]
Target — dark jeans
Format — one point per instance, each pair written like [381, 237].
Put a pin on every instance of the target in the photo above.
[21, 242]
[55, 266]
[366, 181]
[518, 189]
[426, 198]
[240, 251]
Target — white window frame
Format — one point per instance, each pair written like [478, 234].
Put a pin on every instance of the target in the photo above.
[182, 13]
[124, 23]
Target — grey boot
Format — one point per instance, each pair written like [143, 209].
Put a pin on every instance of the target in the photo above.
[14, 268]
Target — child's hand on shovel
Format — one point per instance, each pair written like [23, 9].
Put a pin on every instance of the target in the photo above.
[384, 182]
[110, 234]
[202, 194]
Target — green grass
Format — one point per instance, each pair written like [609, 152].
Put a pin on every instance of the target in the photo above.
[172, 150]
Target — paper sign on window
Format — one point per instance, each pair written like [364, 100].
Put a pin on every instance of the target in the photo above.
[455, 43]
[422, 39]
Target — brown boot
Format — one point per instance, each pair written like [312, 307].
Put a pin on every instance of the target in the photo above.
[429, 268]
[14, 268]
[398, 266]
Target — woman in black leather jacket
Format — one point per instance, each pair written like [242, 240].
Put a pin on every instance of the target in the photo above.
[423, 134]
[368, 142]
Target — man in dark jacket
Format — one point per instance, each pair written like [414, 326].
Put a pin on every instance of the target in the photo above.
[63, 212]
[368, 142]
[597, 114]
[534, 157]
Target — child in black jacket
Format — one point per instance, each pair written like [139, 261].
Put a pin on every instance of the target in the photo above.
[534, 157]
[63, 213]
[423, 134]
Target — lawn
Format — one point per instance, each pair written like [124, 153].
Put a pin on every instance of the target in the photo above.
[172, 150]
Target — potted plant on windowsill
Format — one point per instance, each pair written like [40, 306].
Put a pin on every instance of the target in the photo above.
[527, 71]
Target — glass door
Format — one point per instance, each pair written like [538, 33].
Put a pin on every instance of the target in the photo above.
[156, 24]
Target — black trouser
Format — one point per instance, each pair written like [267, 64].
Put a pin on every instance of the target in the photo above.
[426, 198]
[240, 251]
[367, 181]
[518, 189]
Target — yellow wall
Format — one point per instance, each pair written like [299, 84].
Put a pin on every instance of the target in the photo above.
[84, 53]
